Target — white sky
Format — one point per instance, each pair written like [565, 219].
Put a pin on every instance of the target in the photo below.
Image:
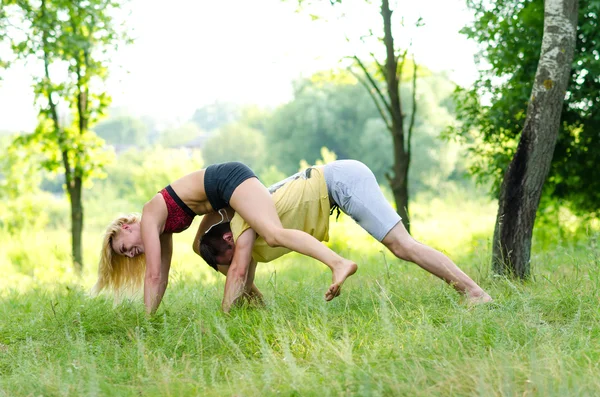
[193, 52]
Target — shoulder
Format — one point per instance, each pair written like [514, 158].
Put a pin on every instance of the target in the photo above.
[155, 208]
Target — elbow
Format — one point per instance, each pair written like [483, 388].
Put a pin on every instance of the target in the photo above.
[238, 272]
[196, 248]
[155, 279]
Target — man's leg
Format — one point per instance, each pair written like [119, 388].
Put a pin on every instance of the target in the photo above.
[354, 188]
[403, 246]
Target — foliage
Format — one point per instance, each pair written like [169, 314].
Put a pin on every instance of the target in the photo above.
[332, 110]
[215, 115]
[141, 173]
[123, 130]
[84, 151]
[182, 135]
[19, 173]
[271, 175]
[72, 41]
[492, 113]
[237, 142]
[22, 204]
[321, 114]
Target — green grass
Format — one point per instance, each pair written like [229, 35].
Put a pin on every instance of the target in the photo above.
[395, 330]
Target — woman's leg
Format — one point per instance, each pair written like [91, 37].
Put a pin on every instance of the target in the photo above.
[403, 246]
[254, 203]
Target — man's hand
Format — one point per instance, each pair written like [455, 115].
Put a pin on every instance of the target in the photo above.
[255, 298]
[238, 280]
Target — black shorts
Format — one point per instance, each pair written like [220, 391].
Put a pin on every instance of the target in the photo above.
[220, 181]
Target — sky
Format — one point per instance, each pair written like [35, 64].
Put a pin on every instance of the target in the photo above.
[195, 52]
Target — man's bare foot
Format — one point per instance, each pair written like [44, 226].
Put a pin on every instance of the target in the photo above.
[340, 274]
[479, 297]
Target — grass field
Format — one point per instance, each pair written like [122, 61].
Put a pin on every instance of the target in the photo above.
[395, 330]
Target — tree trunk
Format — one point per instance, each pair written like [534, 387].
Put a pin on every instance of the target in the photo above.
[524, 179]
[73, 184]
[398, 181]
[76, 191]
[75, 196]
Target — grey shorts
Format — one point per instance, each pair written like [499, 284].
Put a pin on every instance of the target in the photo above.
[353, 187]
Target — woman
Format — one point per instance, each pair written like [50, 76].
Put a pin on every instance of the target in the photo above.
[208, 191]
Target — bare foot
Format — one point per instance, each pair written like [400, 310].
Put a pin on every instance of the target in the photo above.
[478, 298]
[340, 274]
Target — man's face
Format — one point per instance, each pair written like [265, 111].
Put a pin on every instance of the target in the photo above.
[225, 257]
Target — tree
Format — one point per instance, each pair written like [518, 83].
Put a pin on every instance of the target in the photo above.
[389, 104]
[69, 40]
[510, 36]
[329, 109]
[332, 109]
[123, 130]
[215, 115]
[522, 185]
[236, 142]
[180, 135]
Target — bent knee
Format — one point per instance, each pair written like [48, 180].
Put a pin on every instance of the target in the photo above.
[405, 250]
[273, 239]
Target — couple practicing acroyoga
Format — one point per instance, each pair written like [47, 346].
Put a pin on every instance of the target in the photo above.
[292, 215]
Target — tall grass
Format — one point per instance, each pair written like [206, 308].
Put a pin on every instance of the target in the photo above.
[395, 330]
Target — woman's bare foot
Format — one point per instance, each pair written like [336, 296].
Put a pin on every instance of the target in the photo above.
[340, 274]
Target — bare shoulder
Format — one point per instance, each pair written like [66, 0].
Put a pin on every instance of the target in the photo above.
[155, 209]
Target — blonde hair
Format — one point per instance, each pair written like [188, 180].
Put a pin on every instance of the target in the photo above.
[118, 272]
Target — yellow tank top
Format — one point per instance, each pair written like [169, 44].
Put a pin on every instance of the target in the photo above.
[302, 204]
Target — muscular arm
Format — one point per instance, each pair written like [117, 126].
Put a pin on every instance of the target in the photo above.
[239, 279]
[252, 293]
[158, 250]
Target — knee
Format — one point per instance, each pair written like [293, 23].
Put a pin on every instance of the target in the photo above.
[405, 249]
[273, 238]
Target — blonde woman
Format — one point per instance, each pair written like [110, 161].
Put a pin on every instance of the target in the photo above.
[216, 191]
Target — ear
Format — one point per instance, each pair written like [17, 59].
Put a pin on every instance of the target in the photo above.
[228, 236]
[126, 226]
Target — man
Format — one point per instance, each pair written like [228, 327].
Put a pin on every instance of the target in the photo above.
[303, 201]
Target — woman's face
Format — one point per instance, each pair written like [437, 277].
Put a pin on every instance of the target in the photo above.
[128, 241]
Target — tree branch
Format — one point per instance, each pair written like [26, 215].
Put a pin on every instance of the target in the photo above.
[374, 85]
[414, 109]
[49, 92]
[401, 65]
[379, 66]
[374, 98]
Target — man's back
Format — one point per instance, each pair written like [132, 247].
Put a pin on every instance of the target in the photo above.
[302, 203]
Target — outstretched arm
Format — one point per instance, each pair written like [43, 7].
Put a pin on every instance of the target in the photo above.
[252, 293]
[158, 250]
[239, 279]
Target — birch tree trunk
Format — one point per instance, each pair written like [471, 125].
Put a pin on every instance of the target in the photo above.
[522, 184]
